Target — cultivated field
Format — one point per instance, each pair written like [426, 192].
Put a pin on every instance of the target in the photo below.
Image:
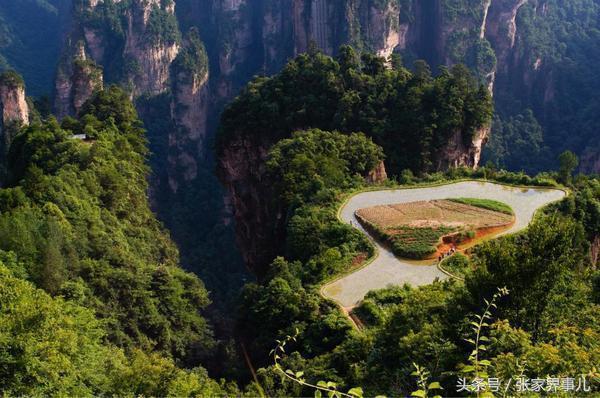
[386, 269]
[415, 230]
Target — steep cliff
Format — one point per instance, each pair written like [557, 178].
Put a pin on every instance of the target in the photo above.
[137, 44]
[134, 42]
[14, 112]
[189, 110]
[259, 221]
[151, 44]
[463, 152]
[76, 81]
[12, 99]
[247, 38]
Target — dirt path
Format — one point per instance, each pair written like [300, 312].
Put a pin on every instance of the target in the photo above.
[386, 269]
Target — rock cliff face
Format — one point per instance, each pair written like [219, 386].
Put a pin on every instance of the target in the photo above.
[259, 223]
[135, 43]
[150, 48]
[13, 103]
[458, 154]
[378, 174]
[250, 38]
[138, 44]
[595, 251]
[189, 108]
[75, 83]
[14, 113]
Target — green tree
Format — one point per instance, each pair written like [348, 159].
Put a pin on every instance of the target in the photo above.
[568, 163]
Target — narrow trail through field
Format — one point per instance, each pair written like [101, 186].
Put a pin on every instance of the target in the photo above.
[386, 269]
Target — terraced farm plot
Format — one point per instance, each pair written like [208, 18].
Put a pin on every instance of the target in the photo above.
[387, 269]
[416, 229]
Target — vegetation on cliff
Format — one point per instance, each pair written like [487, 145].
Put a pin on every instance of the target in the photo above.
[310, 169]
[413, 116]
[546, 324]
[88, 270]
[555, 53]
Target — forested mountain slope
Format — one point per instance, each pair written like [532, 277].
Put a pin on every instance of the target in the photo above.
[544, 322]
[93, 297]
[424, 124]
[302, 120]
[182, 61]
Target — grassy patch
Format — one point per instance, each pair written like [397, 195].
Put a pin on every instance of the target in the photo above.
[415, 230]
[416, 243]
[409, 242]
[485, 204]
[457, 265]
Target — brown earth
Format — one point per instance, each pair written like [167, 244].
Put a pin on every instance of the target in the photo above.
[464, 246]
[439, 213]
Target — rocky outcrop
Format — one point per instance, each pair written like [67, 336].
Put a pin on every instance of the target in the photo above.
[378, 174]
[501, 29]
[462, 152]
[12, 99]
[266, 36]
[595, 251]
[259, 221]
[189, 110]
[14, 113]
[138, 53]
[75, 84]
[383, 30]
[138, 45]
[150, 48]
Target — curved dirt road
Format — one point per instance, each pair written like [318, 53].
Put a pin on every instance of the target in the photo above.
[386, 269]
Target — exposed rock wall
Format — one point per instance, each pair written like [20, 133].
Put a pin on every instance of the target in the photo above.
[150, 51]
[189, 110]
[595, 251]
[259, 221]
[14, 113]
[139, 54]
[501, 29]
[378, 174]
[458, 154]
[13, 103]
[75, 83]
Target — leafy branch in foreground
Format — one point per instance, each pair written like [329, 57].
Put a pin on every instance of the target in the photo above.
[328, 387]
[425, 387]
[477, 367]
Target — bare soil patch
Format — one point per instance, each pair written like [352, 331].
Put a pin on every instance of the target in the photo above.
[424, 229]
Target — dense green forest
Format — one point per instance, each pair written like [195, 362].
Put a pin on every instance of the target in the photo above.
[93, 300]
[546, 324]
[412, 115]
[547, 101]
[97, 299]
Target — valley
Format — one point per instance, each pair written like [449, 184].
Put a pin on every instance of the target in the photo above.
[187, 184]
